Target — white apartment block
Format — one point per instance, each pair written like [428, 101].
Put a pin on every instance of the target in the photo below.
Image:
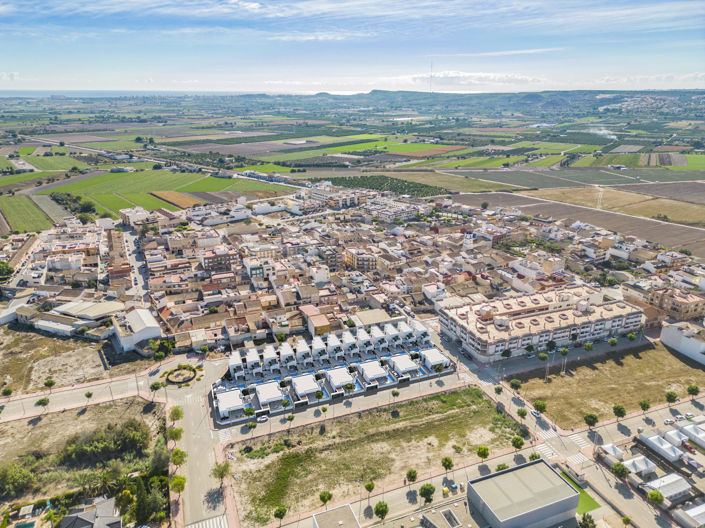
[571, 314]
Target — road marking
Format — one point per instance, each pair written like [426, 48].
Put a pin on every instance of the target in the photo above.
[578, 460]
[578, 439]
[213, 522]
[546, 433]
[546, 451]
[485, 379]
[223, 435]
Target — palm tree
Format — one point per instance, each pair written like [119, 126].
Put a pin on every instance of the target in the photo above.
[564, 352]
[544, 357]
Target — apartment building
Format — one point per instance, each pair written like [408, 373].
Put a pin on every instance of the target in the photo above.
[219, 258]
[333, 259]
[571, 314]
[359, 259]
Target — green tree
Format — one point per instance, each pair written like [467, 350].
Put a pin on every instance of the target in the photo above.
[619, 411]
[176, 413]
[671, 397]
[693, 390]
[501, 467]
[534, 456]
[426, 491]
[286, 402]
[178, 484]
[141, 507]
[544, 357]
[178, 457]
[124, 501]
[319, 394]
[631, 336]
[447, 463]
[49, 383]
[14, 478]
[411, 475]
[369, 487]
[249, 411]
[43, 402]
[381, 510]
[325, 496]
[540, 406]
[279, 513]
[626, 521]
[6, 391]
[498, 389]
[588, 347]
[521, 411]
[655, 497]
[220, 471]
[483, 452]
[517, 442]
[515, 384]
[174, 433]
[5, 269]
[613, 342]
[154, 387]
[619, 470]
[88, 395]
[645, 405]
[586, 521]
[590, 419]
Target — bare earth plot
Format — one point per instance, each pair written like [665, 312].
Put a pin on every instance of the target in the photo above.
[621, 378]
[628, 202]
[242, 149]
[668, 234]
[28, 358]
[291, 469]
[693, 192]
[52, 209]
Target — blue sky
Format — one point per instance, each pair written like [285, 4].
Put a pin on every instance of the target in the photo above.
[346, 46]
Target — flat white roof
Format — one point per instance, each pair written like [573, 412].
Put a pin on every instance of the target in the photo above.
[362, 335]
[318, 343]
[434, 357]
[403, 363]
[333, 340]
[305, 384]
[268, 392]
[252, 356]
[269, 352]
[339, 377]
[404, 328]
[229, 400]
[348, 337]
[390, 330]
[302, 347]
[640, 464]
[697, 513]
[372, 369]
[376, 333]
[285, 350]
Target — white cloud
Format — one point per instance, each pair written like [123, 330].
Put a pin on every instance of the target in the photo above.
[9, 76]
[499, 53]
[461, 78]
[298, 36]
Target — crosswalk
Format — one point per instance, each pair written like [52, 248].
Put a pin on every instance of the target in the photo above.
[224, 435]
[213, 522]
[546, 433]
[485, 379]
[577, 460]
[580, 441]
[546, 451]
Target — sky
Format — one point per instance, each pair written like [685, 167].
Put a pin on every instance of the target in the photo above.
[347, 46]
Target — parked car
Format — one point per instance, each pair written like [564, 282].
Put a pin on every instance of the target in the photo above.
[689, 415]
[689, 447]
[531, 356]
[262, 419]
[680, 417]
[535, 413]
[669, 421]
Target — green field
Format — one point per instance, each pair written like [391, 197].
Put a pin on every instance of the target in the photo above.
[117, 144]
[382, 146]
[586, 503]
[26, 151]
[546, 147]
[5, 163]
[22, 214]
[695, 162]
[481, 162]
[114, 202]
[58, 150]
[628, 160]
[49, 163]
[12, 179]
[149, 202]
[547, 161]
[99, 209]
[135, 165]
[267, 167]
[461, 152]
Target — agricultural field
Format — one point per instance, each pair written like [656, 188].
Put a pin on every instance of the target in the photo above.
[547, 161]
[23, 215]
[266, 167]
[693, 191]
[149, 201]
[481, 162]
[57, 163]
[382, 146]
[451, 182]
[627, 202]
[628, 160]
[6, 163]
[135, 164]
[545, 147]
[115, 144]
[56, 149]
[384, 443]
[695, 162]
[645, 372]
[180, 200]
[26, 151]
[521, 178]
[146, 181]
[111, 201]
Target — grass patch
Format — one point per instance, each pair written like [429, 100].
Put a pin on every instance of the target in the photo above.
[644, 372]
[50, 163]
[586, 503]
[23, 215]
[149, 201]
[695, 162]
[451, 181]
[26, 151]
[114, 202]
[547, 161]
[482, 162]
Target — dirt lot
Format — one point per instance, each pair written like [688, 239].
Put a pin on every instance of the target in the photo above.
[291, 469]
[644, 373]
[46, 435]
[28, 358]
[627, 202]
[182, 200]
[693, 192]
